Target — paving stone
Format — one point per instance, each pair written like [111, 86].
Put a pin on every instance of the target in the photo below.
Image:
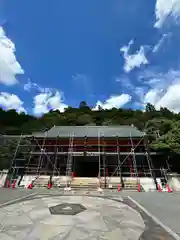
[17, 220]
[104, 218]
[4, 236]
[59, 220]
[26, 208]
[76, 233]
[95, 224]
[87, 216]
[115, 234]
[43, 232]
[19, 234]
[39, 214]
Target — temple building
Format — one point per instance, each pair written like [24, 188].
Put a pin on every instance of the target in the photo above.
[85, 151]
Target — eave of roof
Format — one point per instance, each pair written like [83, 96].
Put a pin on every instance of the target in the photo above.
[91, 131]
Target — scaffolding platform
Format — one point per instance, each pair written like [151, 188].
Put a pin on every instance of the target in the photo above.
[95, 157]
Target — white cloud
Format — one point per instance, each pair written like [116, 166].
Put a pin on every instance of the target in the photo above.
[160, 42]
[11, 101]
[151, 97]
[134, 60]
[166, 9]
[9, 67]
[44, 102]
[164, 91]
[114, 102]
[31, 85]
[28, 86]
[171, 99]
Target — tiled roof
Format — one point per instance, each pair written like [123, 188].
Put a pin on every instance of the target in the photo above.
[91, 131]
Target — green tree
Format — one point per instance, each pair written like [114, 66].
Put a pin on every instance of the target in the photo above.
[83, 107]
[85, 119]
[150, 108]
[8, 149]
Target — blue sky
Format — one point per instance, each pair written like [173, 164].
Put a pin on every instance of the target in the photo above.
[118, 53]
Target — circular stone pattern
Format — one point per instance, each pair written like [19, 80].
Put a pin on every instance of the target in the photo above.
[102, 219]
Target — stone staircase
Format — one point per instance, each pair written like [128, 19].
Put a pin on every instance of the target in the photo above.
[60, 181]
[41, 181]
[82, 182]
[130, 183]
[90, 183]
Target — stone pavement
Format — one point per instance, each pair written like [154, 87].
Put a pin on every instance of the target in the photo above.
[165, 206]
[103, 219]
[7, 195]
[70, 217]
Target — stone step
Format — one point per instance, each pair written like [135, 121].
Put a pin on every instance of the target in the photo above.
[84, 182]
[89, 183]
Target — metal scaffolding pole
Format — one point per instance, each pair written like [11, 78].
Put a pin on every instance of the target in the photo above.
[99, 155]
[69, 160]
[13, 163]
[101, 159]
[148, 157]
[40, 162]
[104, 164]
[44, 151]
[134, 157]
[55, 158]
[129, 154]
[119, 162]
[29, 159]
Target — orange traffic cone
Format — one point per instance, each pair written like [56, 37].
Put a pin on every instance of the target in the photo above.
[159, 188]
[168, 188]
[139, 187]
[119, 188]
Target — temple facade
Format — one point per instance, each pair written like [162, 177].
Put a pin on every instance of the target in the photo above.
[85, 151]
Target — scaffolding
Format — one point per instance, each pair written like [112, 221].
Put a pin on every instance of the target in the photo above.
[13, 174]
[113, 160]
[70, 157]
[69, 161]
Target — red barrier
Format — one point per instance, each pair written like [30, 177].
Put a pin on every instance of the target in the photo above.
[14, 184]
[49, 185]
[159, 188]
[8, 184]
[119, 188]
[168, 188]
[30, 186]
[139, 187]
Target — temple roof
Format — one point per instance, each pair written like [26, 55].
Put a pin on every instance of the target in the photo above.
[91, 131]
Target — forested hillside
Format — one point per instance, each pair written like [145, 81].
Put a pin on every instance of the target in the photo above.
[163, 125]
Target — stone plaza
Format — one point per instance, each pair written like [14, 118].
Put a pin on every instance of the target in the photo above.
[67, 217]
